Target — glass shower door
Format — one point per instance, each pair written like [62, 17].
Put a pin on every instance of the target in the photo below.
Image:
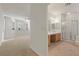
[74, 28]
[70, 27]
[65, 27]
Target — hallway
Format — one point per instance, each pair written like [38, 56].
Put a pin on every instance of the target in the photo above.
[63, 49]
[17, 47]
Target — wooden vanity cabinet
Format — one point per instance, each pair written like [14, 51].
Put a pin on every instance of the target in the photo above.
[54, 38]
[49, 40]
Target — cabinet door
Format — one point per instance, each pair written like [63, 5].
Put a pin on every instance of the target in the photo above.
[49, 40]
[58, 37]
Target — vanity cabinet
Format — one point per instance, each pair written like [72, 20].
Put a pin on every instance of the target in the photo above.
[54, 38]
[49, 39]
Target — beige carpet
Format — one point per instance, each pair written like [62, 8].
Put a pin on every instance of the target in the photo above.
[63, 49]
[17, 47]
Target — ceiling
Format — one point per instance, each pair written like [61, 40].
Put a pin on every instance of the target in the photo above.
[16, 9]
[63, 7]
[23, 9]
[56, 7]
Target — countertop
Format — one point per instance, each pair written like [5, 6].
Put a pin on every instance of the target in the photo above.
[49, 33]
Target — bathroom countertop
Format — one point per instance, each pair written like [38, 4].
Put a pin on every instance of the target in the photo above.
[49, 33]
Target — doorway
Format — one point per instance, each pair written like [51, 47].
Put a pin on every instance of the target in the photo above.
[67, 43]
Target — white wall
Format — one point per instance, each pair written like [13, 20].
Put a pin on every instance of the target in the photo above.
[1, 22]
[39, 33]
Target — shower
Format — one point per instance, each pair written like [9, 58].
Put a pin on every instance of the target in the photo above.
[70, 27]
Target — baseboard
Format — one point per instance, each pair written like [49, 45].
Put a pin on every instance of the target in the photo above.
[34, 52]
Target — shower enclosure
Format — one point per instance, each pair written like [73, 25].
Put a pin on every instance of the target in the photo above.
[70, 27]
